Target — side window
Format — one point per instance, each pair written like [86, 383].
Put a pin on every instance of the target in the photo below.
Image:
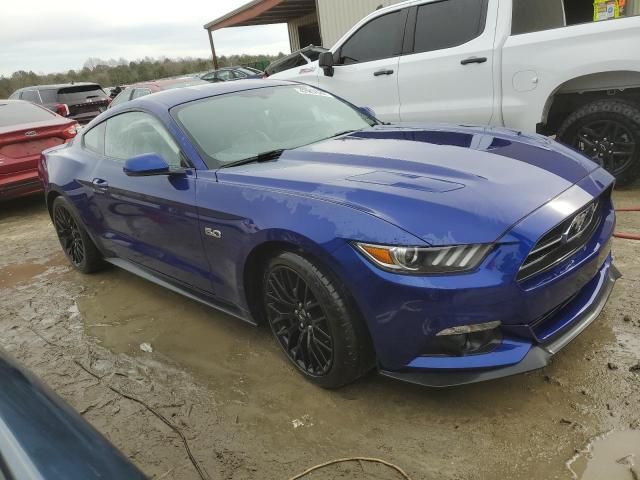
[448, 24]
[31, 96]
[136, 133]
[238, 75]
[378, 39]
[93, 140]
[122, 97]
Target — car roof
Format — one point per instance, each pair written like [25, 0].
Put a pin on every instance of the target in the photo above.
[58, 85]
[158, 85]
[177, 96]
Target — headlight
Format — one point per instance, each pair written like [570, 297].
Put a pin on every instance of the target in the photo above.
[453, 259]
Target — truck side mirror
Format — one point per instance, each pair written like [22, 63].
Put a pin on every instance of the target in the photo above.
[325, 61]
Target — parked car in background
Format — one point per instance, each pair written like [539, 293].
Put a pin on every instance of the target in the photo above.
[229, 74]
[80, 101]
[25, 131]
[302, 59]
[43, 438]
[530, 66]
[442, 255]
[142, 89]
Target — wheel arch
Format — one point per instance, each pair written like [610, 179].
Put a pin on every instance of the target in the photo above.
[279, 242]
[273, 243]
[579, 90]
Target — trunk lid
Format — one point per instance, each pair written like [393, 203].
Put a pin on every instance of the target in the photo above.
[21, 145]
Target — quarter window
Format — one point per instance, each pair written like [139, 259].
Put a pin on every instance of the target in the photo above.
[140, 92]
[380, 38]
[136, 133]
[448, 24]
[93, 140]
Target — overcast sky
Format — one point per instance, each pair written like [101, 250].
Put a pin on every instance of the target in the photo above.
[48, 36]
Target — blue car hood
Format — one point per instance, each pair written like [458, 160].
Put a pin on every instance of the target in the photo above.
[446, 185]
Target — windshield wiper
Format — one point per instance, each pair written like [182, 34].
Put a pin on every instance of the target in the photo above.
[345, 132]
[261, 157]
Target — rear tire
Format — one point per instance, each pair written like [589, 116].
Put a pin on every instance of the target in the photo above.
[74, 239]
[322, 336]
[609, 132]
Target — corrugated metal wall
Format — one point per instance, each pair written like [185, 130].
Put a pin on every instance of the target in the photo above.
[338, 16]
[294, 37]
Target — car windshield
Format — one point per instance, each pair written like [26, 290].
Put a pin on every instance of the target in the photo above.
[16, 113]
[238, 126]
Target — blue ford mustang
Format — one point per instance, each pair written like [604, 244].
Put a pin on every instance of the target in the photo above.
[443, 255]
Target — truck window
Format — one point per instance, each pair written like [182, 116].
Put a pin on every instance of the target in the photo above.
[449, 23]
[380, 38]
[542, 15]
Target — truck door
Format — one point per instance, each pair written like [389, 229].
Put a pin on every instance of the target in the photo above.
[446, 73]
[366, 69]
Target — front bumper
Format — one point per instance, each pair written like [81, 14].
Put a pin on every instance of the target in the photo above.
[538, 356]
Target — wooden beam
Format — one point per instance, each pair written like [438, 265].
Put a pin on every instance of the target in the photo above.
[213, 50]
[248, 14]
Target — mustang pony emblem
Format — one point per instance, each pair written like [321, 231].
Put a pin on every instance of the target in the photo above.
[580, 223]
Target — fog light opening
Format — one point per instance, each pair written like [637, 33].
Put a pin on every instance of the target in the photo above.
[465, 340]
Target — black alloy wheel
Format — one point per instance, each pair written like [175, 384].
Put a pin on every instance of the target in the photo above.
[609, 142]
[298, 321]
[314, 321]
[608, 131]
[76, 243]
[70, 235]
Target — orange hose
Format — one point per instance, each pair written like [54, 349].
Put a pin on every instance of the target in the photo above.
[627, 236]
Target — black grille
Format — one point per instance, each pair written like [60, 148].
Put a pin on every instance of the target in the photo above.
[563, 240]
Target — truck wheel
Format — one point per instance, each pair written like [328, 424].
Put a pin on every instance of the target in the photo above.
[609, 132]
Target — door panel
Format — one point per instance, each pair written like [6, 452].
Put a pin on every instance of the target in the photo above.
[366, 70]
[359, 85]
[451, 79]
[149, 220]
[152, 221]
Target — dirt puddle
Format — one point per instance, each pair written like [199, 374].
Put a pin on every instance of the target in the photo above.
[259, 398]
[614, 456]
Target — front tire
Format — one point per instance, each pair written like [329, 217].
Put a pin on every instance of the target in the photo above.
[76, 243]
[609, 132]
[312, 321]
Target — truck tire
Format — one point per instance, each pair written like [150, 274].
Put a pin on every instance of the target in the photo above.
[609, 132]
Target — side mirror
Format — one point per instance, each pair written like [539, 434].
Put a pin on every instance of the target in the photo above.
[147, 165]
[369, 112]
[325, 61]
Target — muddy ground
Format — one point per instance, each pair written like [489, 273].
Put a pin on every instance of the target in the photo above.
[245, 414]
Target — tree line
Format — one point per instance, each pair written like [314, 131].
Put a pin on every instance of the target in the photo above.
[113, 72]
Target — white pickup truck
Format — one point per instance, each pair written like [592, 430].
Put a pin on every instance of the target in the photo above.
[533, 65]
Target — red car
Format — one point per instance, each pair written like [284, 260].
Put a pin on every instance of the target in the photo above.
[25, 131]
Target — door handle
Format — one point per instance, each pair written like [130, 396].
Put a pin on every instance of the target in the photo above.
[379, 73]
[100, 185]
[467, 61]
